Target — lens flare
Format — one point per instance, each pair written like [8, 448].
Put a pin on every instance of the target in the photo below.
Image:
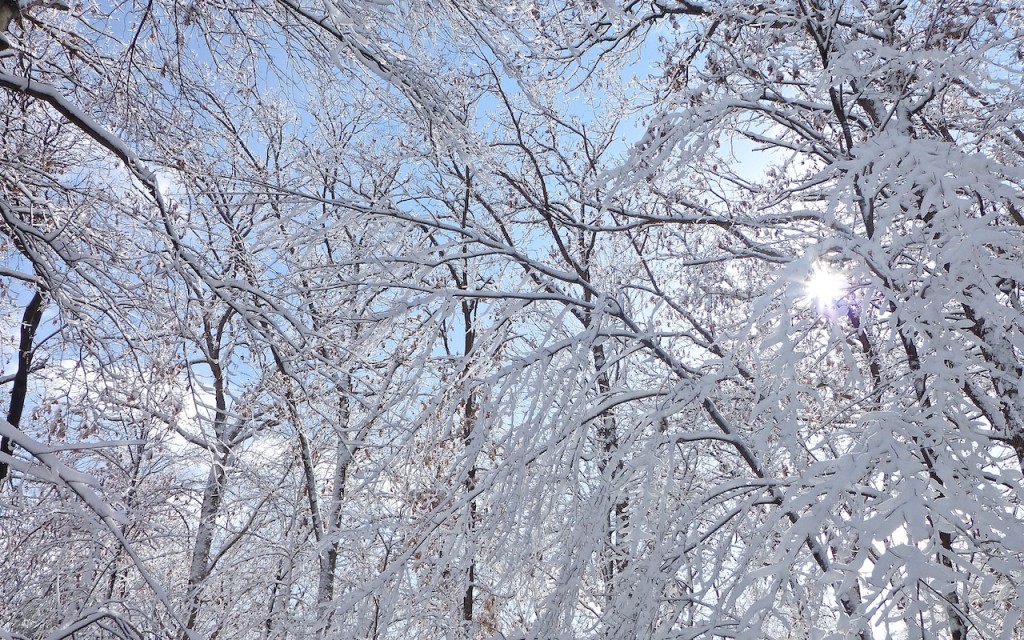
[826, 288]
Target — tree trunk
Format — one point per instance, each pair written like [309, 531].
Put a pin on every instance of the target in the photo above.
[29, 325]
[199, 568]
[329, 555]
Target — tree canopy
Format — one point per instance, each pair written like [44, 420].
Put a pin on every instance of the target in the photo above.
[532, 320]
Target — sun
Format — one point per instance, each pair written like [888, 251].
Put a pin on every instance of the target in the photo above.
[826, 288]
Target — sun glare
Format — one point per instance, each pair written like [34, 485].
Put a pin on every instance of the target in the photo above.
[826, 288]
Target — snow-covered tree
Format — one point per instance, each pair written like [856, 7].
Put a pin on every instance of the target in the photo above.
[468, 319]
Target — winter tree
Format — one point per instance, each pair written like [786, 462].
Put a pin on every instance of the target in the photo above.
[543, 320]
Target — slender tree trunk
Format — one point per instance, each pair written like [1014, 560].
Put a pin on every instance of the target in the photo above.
[329, 555]
[470, 416]
[213, 492]
[199, 567]
[618, 514]
[325, 529]
[470, 486]
[283, 576]
[29, 325]
[130, 503]
[469, 419]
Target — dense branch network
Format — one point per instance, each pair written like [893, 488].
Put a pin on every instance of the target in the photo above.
[535, 320]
